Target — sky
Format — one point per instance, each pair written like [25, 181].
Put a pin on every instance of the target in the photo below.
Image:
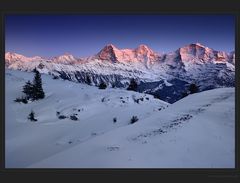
[85, 35]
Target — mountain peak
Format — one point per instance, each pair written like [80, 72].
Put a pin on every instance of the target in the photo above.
[9, 53]
[65, 58]
[110, 46]
[67, 54]
[12, 54]
[142, 53]
[198, 44]
[143, 49]
[143, 46]
[16, 55]
[199, 52]
[194, 46]
[108, 53]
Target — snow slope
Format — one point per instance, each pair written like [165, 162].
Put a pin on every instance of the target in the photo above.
[28, 142]
[195, 132]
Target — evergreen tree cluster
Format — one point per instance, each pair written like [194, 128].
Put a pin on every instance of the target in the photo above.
[193, 88]
[33, 91]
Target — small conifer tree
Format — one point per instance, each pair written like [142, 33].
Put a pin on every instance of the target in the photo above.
[193, 88]
[31, 116]
[133, 85]
[102, 85]
[38, 92]
[88, 80]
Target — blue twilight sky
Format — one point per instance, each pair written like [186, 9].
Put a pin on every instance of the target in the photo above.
[85, 35]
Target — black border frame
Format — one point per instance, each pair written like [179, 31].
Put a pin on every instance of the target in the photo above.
[120, 7]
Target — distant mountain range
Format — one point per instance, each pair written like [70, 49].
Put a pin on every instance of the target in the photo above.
[166, 75]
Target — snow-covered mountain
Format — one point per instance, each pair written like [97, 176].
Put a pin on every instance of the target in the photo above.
[11, 58]
[141, 54]
[65, 59]
[194, 132]
[197, 52]
[196, 63]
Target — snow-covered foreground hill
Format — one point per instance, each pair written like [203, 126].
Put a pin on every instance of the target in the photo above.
[195, 132]
[28, 142]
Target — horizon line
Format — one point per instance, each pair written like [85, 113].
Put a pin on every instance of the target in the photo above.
[110, 44]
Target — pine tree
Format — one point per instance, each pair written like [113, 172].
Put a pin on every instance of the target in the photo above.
[193, 88]
[102, 85]
[134, 119]
[133, 85]
[88, 80]
[31, 116]
[28, 90]
[38, 92]
[33, 91]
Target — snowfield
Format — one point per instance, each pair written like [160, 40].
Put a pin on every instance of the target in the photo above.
[195, 132]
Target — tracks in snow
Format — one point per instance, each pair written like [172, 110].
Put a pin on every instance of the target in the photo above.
[179, 120]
